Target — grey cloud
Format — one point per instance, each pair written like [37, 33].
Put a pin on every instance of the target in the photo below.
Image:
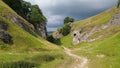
[78, 8]
[57, 10]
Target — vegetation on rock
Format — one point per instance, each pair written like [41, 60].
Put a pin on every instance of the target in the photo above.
[31, 13]
[118, 4]
[68, 20]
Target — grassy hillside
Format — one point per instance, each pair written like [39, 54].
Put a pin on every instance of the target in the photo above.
[104, 52]
[21, 38]
[91, 22]
[27, 50]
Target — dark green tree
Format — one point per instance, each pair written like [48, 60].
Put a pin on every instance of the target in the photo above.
[36, 15]
[15, 5]
[118, 3]
[19, 6]
[68, 20]
[65, 30]
[26, 8]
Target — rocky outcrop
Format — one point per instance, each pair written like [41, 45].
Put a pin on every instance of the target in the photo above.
[40, 29]
[76, 38]
[43, 30]
[83, 34]
[4, 35]
[57, 35]
[20, 22]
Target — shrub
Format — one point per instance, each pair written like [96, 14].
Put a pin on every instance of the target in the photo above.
[65, 30]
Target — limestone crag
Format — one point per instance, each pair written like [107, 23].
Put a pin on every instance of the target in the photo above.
[83, 34]
[40, 29]
[4, 35]
[20, 22]
[57, 35]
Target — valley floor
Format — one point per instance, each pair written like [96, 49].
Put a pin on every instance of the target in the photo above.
[80, 62]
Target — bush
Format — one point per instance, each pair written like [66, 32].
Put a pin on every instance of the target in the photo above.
[65, 30]
[68, 20]
[50, 38]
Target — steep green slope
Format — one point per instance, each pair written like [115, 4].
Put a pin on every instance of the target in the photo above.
[28, 50]
[21, 38]
[103, 52]
[89, 23]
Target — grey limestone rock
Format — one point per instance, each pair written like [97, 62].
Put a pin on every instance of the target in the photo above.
[4, 35]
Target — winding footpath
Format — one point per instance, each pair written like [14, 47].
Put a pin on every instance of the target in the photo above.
[82, 61]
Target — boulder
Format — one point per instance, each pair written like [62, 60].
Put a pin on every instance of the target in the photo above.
[76, 38]
[40, 29]
[4, 35]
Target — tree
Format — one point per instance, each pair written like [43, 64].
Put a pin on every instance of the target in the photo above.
[118, 4]
[19, 6]
[30, 12]
[68, 19]
[15, 5]
[26, 8]
[36, 15]
[65, 30]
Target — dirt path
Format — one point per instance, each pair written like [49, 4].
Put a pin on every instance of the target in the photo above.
[81, 62]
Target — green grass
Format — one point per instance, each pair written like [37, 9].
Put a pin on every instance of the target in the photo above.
[22, 39]
[108, 46]
[99, 19]
[27, 50]
[33, 51]
[67, 41]
[91, 22]
[5, 9]
[37, 59]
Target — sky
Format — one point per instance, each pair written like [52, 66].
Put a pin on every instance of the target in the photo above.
[56, 10]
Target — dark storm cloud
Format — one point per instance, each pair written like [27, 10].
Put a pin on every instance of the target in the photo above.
[57, 10]
[80, 8]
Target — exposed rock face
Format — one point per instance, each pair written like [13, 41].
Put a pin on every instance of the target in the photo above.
[76, 38]
[4, 35]
[83, 34]
[20, 22]
[115, 21]
[43, 30]
[40, 29]
[57, 35]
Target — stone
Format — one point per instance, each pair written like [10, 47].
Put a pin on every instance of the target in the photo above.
[83, 34]
[40, 29]
[76, 38]
[57, 35]
[3, 25]
[4, 35]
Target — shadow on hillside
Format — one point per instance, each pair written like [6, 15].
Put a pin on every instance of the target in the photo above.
[18, 64]
[32, 62]
[57, 42]
[54, 41]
